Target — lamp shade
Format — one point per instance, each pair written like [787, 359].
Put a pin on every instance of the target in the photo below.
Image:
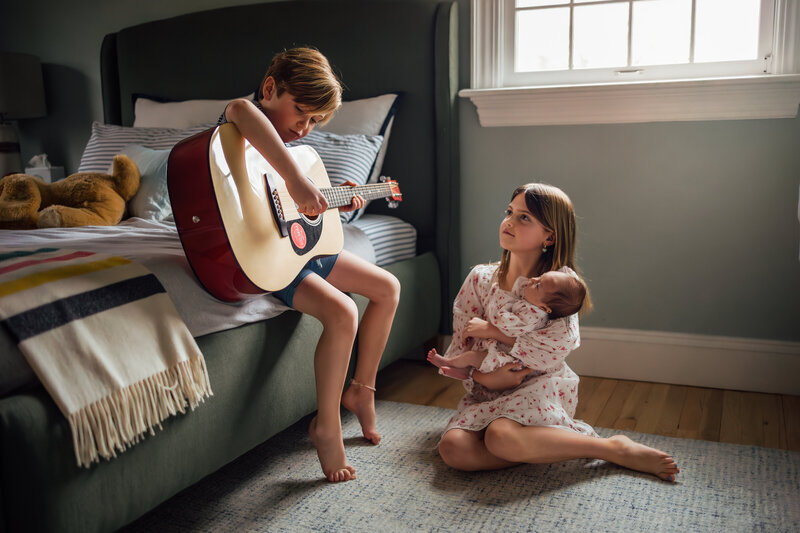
[21, 86]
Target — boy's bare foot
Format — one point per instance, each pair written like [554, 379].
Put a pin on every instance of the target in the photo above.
[455, 373]
[360, 401]
[330, 450]
[639, 457]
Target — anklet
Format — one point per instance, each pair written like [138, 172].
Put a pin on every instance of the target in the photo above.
[359, 384]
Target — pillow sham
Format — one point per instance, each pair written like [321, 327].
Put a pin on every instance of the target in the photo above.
[367, 116]
[108, 139]
[149, 113]
[151, 201]
[346, 157]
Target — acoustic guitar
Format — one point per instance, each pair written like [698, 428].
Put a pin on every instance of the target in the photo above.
[239, 227]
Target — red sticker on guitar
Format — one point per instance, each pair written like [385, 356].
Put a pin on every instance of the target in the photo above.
[298, 235]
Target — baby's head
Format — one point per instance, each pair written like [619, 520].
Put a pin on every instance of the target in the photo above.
[558, 293]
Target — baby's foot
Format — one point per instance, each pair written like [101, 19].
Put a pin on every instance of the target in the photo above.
[330, 450]
[639, 457]
[360, 400]
[455, 373]
[435, 359]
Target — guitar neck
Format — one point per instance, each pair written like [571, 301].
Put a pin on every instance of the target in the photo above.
[339, 196]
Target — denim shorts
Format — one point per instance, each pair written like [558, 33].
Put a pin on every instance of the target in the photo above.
[322, 267]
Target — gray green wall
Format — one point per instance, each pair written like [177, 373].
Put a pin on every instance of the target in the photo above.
[683, 227]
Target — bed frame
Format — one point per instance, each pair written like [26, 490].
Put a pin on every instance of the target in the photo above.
[261, 373]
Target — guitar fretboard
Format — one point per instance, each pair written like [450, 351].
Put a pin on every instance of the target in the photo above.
[339, 196]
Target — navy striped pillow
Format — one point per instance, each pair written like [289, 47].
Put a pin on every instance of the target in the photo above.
[107, 140]
[346, 157]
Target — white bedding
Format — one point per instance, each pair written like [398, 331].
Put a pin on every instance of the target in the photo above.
[156, 246]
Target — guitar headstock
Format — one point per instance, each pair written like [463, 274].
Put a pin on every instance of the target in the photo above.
[395, 196]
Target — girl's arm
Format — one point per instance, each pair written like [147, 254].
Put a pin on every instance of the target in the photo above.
[545, 349]
[258, 129]
[504, 378]
[467, 305]
[483, 329]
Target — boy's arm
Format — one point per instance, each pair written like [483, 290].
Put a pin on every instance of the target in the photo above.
[258, 129]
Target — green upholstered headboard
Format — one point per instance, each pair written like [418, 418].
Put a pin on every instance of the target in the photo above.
[406, 47]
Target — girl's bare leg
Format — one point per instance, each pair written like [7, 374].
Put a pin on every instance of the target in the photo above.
[353, 274]
[339, 318]
[511, 441]
[466, 450]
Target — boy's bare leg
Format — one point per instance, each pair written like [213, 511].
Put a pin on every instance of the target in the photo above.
[353, 274]
[339, 318]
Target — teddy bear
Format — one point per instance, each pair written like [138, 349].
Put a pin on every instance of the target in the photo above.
[82, 199]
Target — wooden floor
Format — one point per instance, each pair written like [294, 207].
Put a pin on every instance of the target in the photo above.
[769, 420]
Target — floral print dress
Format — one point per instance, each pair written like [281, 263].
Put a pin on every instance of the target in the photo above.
[549, 395]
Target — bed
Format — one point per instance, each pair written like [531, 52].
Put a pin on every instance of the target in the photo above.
[259, 364]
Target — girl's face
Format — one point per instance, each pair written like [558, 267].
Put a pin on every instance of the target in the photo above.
[520, 231]
[292, 120]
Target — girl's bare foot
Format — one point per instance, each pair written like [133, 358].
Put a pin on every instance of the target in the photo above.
[639, 457]
[330, 450]
[455, 373]
[360, 400]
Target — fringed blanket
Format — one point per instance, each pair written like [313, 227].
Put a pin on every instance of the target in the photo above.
[106, 342]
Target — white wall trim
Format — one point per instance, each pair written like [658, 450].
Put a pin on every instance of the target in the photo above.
[747, 97]
[688, 359]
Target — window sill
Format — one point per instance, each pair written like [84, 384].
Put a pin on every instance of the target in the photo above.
[750, 97]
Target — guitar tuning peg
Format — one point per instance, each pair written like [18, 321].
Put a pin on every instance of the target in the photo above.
[392, 204]
[384, 179]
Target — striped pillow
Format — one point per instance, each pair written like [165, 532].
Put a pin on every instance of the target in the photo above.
[392, 239]
[346, 157]
[107, 140]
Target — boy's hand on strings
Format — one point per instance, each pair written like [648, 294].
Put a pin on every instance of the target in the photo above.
[506, 377]
[358, 201]
[310, 201]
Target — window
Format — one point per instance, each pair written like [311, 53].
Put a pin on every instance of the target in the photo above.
[632, 49]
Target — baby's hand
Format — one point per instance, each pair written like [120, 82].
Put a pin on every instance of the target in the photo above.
[478, 328]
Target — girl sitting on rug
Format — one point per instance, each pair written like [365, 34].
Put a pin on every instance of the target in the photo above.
[523, 412]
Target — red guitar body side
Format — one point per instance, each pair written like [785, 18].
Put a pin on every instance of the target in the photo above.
[199, 223]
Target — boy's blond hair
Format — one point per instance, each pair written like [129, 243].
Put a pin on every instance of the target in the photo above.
[308, 76]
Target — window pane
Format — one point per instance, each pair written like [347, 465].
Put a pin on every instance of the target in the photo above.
[542, 40]
[537, 3]
[600, 36]
[726, 30]
[661, 32]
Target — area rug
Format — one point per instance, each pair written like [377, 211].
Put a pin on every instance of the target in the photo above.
[403, 485]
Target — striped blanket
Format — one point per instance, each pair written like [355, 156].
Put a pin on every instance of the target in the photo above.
[105, 340]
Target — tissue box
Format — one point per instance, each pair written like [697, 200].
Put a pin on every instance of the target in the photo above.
[48, 174]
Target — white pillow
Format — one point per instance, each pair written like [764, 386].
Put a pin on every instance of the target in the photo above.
[149, 113]
[368, 116]
[151, 201]
[346, 157]
[107, 140]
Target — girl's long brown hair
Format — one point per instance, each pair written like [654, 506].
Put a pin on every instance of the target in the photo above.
[554, 210]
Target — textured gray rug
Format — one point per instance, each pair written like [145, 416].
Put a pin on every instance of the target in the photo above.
[403, 485]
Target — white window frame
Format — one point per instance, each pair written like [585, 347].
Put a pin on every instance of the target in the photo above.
[771, 94]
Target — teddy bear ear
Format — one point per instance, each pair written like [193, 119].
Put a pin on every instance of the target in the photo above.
[126, 177]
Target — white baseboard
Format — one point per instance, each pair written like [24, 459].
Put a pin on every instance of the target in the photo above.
[688, 359]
